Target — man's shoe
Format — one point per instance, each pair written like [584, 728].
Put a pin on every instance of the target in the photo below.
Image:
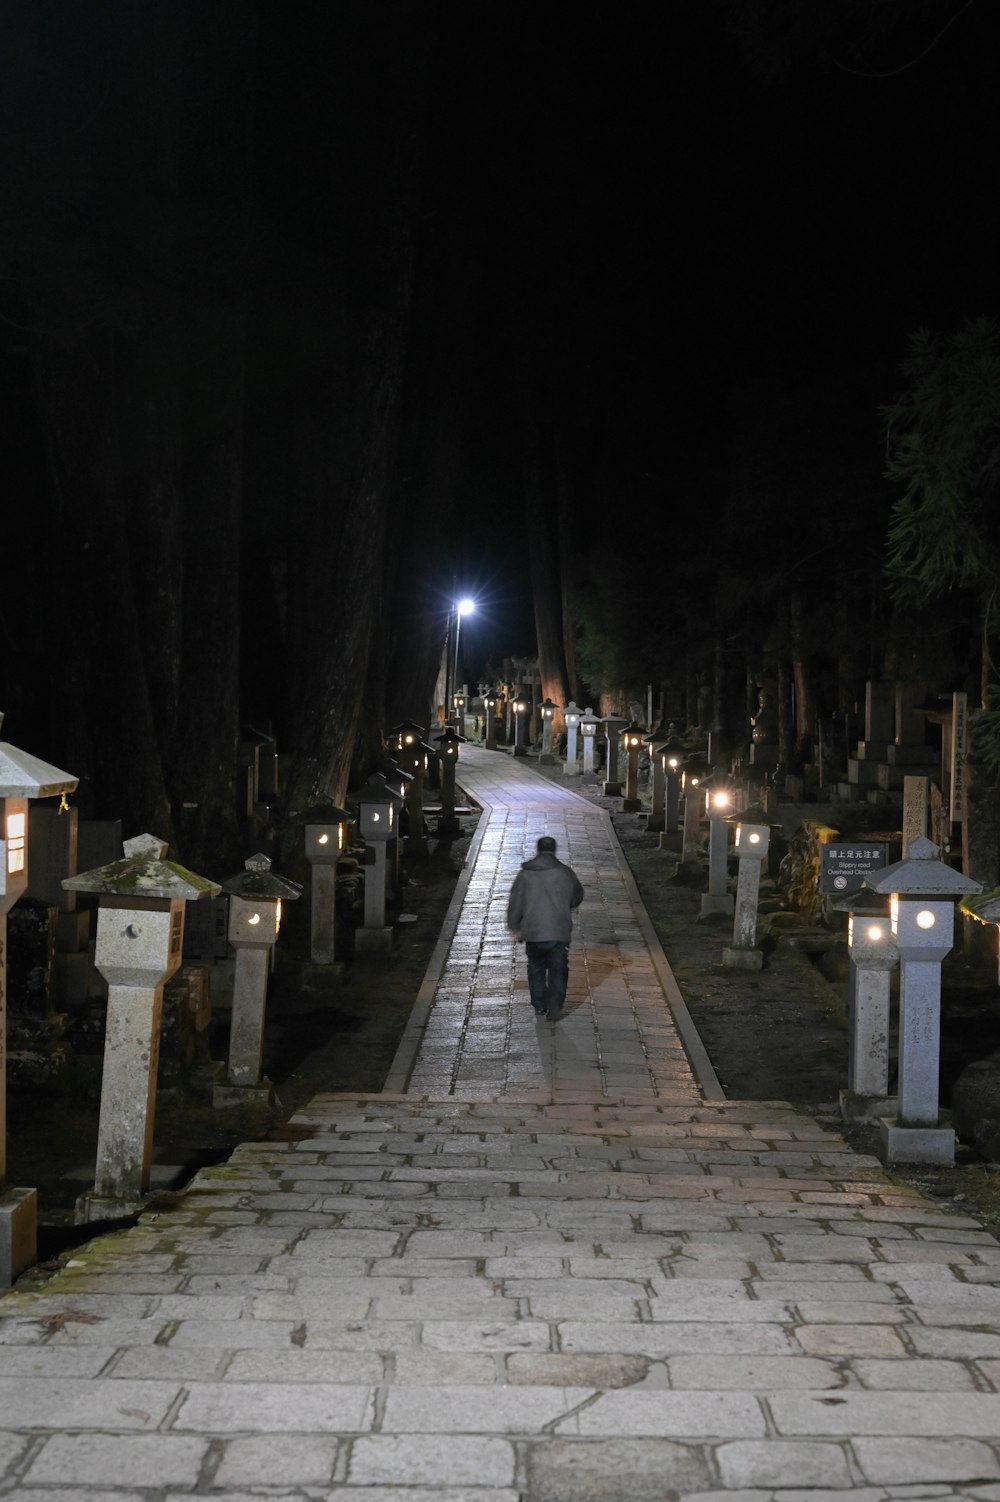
[539, 1011]
[557, 1016]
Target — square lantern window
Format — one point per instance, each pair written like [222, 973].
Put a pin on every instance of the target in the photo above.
[752, 841]
[138, 939]
[377, 812]
[870, 941]
[254, 920]
[922, 928]
[16, 847]
[324, 843]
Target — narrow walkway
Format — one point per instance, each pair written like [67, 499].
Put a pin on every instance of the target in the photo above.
[473, 1031]
[573, 1279]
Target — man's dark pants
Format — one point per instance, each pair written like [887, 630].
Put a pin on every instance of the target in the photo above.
[548, 973]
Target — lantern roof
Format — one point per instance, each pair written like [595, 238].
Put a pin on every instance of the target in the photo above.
[613, 719]
[406, 726]
[258, 880]
[376, 791]
[450, 737]
[143, 872]
[25, 776]
[922, 873]
[390, 769]
[324, 811]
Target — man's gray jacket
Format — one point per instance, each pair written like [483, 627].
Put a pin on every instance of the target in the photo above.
[542, 900]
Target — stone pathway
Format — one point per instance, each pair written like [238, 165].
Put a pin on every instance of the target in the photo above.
[570, 1278]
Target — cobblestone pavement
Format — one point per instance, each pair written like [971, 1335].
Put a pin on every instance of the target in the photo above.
[573, 1278]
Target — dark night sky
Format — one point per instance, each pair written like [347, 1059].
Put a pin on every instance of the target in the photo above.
[681, 202]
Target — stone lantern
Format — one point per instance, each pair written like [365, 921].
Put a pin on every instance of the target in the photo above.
[377, 825]
[255, 898]
[414, 756]
[573, 715]
[140, 934]
[588, 733]
[324, 845]
[718, 900]
[655, 742]
[751, 847]
[549, 712]
[672, 762]
[522, 708]
[491, 702]
[613, 724]
[874, 957]
[922, 891]
[447, 748]
[632, 745]
[23, 777]
[460, 700]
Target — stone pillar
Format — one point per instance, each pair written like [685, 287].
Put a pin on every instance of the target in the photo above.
[18, 1207]
[323, 916]
[692, 825]
[916, 798]
[752, 842]
[657, 814]
[717, 901]
[873, 958]
[246, 1029]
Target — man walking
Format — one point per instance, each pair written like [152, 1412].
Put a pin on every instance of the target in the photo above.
[540, 911]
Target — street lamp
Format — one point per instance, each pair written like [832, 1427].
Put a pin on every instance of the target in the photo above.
[464, 606]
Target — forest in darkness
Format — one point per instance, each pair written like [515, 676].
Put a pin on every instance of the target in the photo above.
[312, 312]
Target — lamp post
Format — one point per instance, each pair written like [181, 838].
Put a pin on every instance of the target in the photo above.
[672, 761]
[588, 732]
[22, 777]
[631, 745]
[573, 715]
[464, 606]
[612, 728]
[140, 936]
[521, 706]
[548, 710]
[752, 841]
[922, 890]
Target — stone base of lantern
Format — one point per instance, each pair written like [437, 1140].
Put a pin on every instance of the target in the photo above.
[903, 1144]
[226, 1097]
[612, 790]
[372, 940]
[92, 1207]
[546, 759]
[520, 751]
[742, 959]
[717, 905]
[18, 1233]
[855, 1107]
[631, 805]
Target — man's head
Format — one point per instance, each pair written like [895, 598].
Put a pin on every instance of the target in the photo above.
[546, 845]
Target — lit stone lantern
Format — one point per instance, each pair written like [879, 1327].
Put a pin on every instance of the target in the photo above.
[631, 746]
[718, 900]
[874, 957]
[549, 712]
[672, 761]
[588, 732]
[447, 749]
[460, 699]
[414, 756]
[324, 837]
[23, 777]
[655, 742]
[522, 708]
[140, 934]
[376, 825]
[751, 846]
[613, 725]
[255, 898]
[922, 891]
[491, 702]
[573, 715]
